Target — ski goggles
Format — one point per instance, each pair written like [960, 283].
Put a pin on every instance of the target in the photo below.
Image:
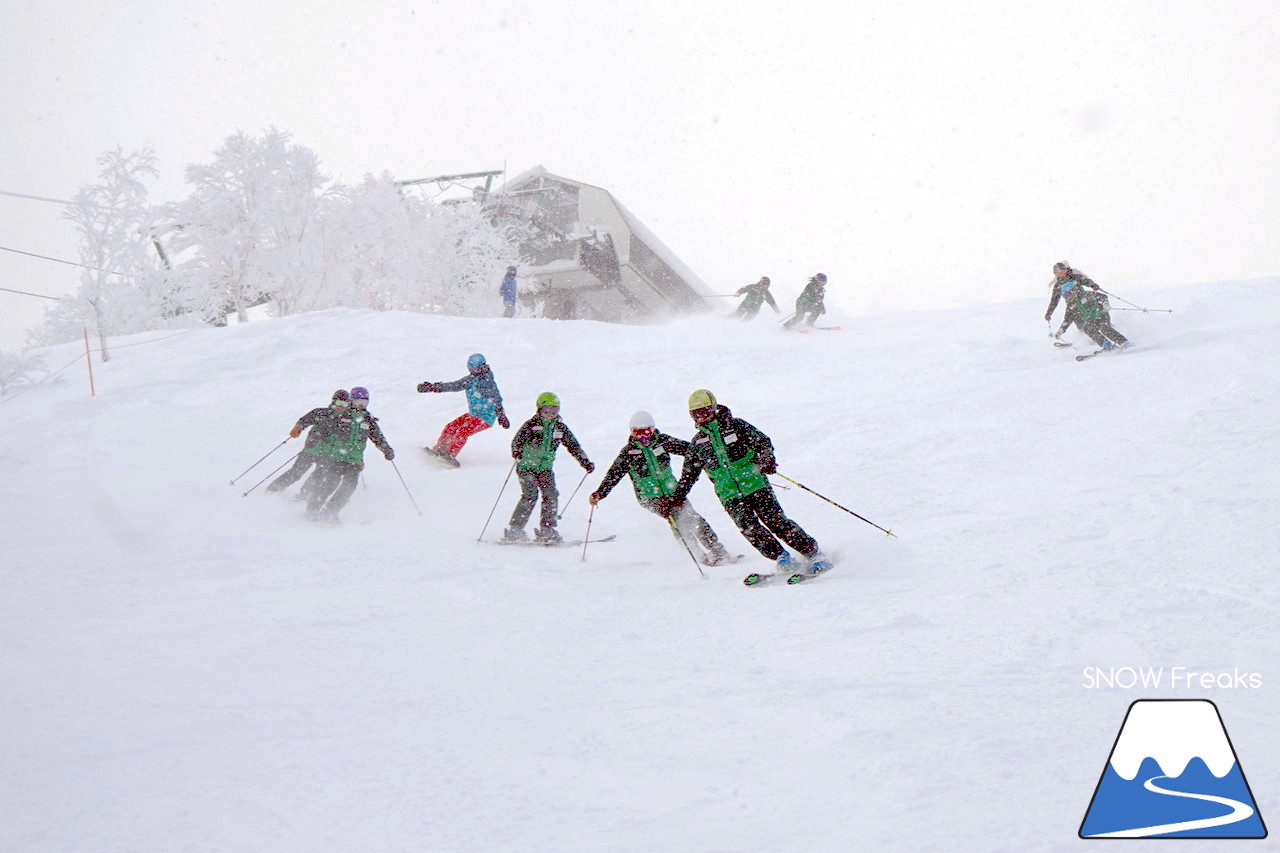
[339, 404]
[645, 433]
[548, 412]
[703, 414]
[360, 403]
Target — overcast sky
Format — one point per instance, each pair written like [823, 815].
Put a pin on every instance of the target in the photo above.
[919, 155]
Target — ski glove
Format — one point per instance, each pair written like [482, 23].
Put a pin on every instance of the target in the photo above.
[295, 432]
[595, 498]
[588, 467]
[665, 506]
[389, 454]
[767, 465]
[1047, 316]
[424, 387]
[502, 420]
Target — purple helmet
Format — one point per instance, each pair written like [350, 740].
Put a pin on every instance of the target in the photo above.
[359, 393]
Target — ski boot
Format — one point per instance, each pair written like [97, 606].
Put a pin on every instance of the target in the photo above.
[716, 556]
[819, 564]
[515, 534]
[548, 536]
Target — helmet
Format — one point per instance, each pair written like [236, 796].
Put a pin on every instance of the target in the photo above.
[359, 393]
[546, 398]
[341, 399]
[822, 277]
[701, 399]
[764, 279]
[341, 394]
[1062, 266]
[642, 420]
[474, 361]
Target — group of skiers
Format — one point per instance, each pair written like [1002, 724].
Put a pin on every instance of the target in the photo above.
[736, 456]
[810, 304]
[1087, 307]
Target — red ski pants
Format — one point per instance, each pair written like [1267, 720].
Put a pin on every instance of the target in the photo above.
[455, 434]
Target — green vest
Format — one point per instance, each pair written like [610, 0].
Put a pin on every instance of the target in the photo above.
[1088, 306]
[345, 445]
[659, 482]
[540, 457]
[732, 479]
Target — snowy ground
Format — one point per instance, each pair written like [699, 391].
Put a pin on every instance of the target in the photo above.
[187, 669]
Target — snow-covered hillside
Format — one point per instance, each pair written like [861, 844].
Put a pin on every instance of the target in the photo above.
[184, 668]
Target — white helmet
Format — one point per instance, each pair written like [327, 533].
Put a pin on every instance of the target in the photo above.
[642, 420]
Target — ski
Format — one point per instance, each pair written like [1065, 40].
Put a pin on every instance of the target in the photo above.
[1090, 355]
[1062, 344]
[759, 578]
[534, 543]
[807, 329]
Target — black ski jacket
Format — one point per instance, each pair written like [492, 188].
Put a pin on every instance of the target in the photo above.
[631, 459]
[740, 438]
[1055, 289]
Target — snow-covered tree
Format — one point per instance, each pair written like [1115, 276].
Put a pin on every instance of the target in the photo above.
[123, 286]
[251, 225]
[20, 368]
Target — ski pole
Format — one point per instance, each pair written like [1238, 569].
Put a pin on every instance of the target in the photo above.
[587, 539]
[676, 530]
[406, 485]
[259, 462]
[495, 503]
[833, 503]
[1135, 307]
[585, 474]
[272, 474]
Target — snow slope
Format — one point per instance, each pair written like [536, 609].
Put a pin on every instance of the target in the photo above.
[188, 669]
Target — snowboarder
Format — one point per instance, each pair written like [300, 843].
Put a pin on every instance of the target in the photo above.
[756, 295]
[810, 303]
[1086, 306]
[484, 406]
[312, 421]
[340, 458]
[534, 448]
[507, 290]
[646, 458]
[738, 457]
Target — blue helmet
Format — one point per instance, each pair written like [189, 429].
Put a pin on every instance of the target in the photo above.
[475, 361]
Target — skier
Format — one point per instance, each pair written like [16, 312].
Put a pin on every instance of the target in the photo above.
[646, 458]
[534, 448]
[507, 290]
[484, 406]
[810, 302]
[313, 421]
[340, 458]
[1086, 306]
[738, 457]
[757, 294]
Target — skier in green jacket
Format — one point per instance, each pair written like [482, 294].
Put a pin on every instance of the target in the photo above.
[646, 459]
[757, 294]
[340, 458]
[534, 448]
[738, 457]
[811, 302]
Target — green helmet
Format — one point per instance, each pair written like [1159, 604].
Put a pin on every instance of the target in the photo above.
[701, 399]
[546, 398]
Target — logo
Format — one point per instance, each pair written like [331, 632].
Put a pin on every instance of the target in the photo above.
[1172, 773]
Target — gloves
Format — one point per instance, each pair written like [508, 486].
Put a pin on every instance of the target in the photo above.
[588, 467]
[361, 468]
[502, 420]
[389, 454]
[295, 432]
[595, 498]
[1047, 316]
[665, 506]
[767, 465]
[424, 387]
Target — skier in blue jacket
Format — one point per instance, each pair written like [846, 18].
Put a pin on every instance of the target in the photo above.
[507, 290]
[484, 406]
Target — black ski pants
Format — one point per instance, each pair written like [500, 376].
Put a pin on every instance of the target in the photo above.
[1100, 331]
[531, 483]
[335, 483]
[760, 518]
[300, 466]
[808, 316]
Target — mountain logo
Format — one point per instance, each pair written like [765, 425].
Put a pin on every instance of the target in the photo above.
[1172, 773]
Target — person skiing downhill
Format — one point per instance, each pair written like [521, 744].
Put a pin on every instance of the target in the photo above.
[646, 459]
[810, 303]
[534, 449]
[1086, 306]
[484, 406]
[756, 295]
[738, 457]
[312, 421]
[340, 457]
[507, 290]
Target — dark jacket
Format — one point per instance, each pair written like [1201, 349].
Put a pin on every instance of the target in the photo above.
[812, 297]
[757, 294]
[1055, 288]
[741, 441]
[314, 418]
[507, 290]
[632, 461]
[536, 442]
[344, 434]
